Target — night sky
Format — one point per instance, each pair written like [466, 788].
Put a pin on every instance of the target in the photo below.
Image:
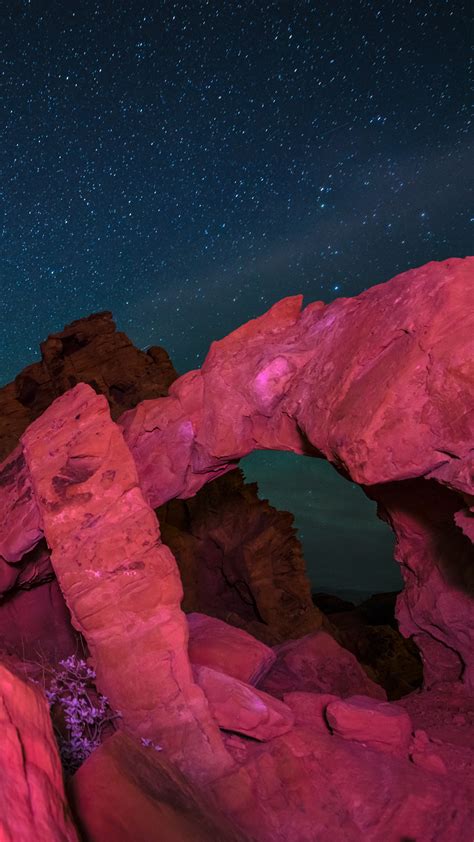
[185, 165]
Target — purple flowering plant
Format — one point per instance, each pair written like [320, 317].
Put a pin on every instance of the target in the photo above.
[85, 711]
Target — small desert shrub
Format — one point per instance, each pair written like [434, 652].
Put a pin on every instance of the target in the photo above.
[82, 711]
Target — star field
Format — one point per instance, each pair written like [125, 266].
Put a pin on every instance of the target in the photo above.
[187, 164]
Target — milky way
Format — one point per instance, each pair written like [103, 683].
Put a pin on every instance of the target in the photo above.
[185, 165]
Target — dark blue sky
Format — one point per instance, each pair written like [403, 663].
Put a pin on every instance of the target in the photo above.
[187, 164]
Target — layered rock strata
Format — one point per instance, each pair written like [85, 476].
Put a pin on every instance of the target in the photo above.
[121, 584]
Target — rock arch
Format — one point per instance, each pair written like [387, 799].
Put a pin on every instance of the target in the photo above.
[381, 385]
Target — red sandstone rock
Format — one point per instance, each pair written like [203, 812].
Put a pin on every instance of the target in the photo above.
[239, 707]
[20, 517]
[380, 725]
[34, 569]
[215, 644]
[436, 558]
[317, 664]
[240, 560]
[370, 632]
[36, 625]
[443, 719]
[310, 708]
[379, 384]
[92, 351]
[430, 761]
[32, 803]
[125, 792]
[121, 584]
[307, 785]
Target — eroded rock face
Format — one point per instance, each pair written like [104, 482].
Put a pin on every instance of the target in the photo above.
[126, 792]
[35, 624]
[380, 725]
[92, 351]
[32, 800]
[121, 584]
[21, 527]
[307, 785]
[371, 633]
[318, 664]
[436, 605]
[221, 647]
[310, 708]
[240, 707]
[253, 578]
[381, 385]
[240, 560]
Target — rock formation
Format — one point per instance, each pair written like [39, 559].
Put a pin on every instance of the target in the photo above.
[87, 351]
[126, 792]
[240, 560]
[256, 581]
[382, 386]
[121, 584]
[370, 632]
[33, 803]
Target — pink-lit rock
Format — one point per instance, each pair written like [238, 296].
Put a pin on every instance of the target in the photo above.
[310, 708]
[33, 569]
[443, 721]
[33, 805]
[121, 584]
[380, 384]
[35, 624]
[127, 793]
[213, 643]
[240, 560]
[307, 785]
[381, 725]
[316, 663]
[89, 350]
[20, 518]
[436, 558]
[240, 707]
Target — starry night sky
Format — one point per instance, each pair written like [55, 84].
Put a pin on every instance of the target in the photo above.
[188, 164]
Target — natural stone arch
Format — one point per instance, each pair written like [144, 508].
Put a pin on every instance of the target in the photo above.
[380, 385]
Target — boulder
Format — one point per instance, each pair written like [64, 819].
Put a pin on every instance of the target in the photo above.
[310, 708]
[239, 707]
[33, 804]
[125, 791]
[213, 643]
[316, 663]
[381, 725]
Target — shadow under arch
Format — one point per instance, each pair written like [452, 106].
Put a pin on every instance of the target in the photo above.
[347, 548]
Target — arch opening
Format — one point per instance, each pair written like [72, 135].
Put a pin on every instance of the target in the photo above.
[349, 551]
